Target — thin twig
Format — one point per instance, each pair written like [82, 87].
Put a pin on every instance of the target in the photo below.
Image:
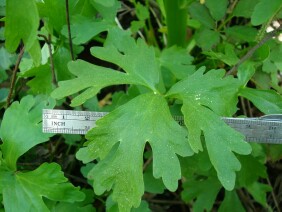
[69, 28]
[14, 75]
[253, 49]
[273, 195]
[146, 164]
[48, 42]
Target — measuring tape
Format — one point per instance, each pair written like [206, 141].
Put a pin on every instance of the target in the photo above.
[266, 129]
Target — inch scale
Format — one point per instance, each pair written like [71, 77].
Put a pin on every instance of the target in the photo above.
[265, 129]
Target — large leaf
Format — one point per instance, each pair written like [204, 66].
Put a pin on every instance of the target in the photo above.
[265, 10]
[267, 101]
[21, 128]
[136, 59]
[119, 140]
[22, 21]
[23, 191]
[206, 97]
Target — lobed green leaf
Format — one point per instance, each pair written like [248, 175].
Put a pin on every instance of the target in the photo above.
[21, 128]
[146, 118]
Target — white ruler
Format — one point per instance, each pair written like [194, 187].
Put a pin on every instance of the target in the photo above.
[266, 129]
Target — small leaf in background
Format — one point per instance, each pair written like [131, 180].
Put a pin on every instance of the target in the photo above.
[107, 8]
[246, 71]
[177, 61]
[246, 177]
[229, 56]
[265, 10]
[7, 59]
[23, 191]
[261, 53]
[142, 12]
[84, 29]
[3, 97]
[245, 8]
[231, 202]
[54, 12]
[21, 128]
[206, 38]
[267, 101]
[61, 58]
[209, 95]
[241, 33]
[204, 192]
[217, 9]
[258, 191]
[152, 185]
[22, 21]
[201, 13]
[41, 83]
[124, 129]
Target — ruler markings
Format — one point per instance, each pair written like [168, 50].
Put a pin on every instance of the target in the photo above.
[260, 130]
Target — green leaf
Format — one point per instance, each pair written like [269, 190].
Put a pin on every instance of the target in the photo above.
[245, 8]
[55, 13]
[245, 177]
[261, 53]
[217, 9]
[23, 191]
[258, 191]
[6, 59]
[125, 129]
[41, 83]
[90, 77]
[229, 57]
[84, 29]
[177, 61]
[152, 185]
[204, 191]
[201, 13]
[205, 98]
[21, 128]
[265, 10]
[141, 70]
[242, 33]
[4, 92]
[107, 8]
[246, 71]
[61, 58]
[22, 21]
[206, 38]
[267, 101]
[231, 202]
[142, 12]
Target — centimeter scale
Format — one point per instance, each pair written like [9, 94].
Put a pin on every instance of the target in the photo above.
[265, 129]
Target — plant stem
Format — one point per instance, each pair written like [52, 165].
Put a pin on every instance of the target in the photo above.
[69, 28]
[48, 42]
[253, 49]
[176, 20]
[14, 75]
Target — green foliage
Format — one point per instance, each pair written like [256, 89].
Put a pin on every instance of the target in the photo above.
[24, 190]
[199, 59]
[121, 169]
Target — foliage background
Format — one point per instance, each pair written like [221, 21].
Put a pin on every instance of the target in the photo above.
[143, 61]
